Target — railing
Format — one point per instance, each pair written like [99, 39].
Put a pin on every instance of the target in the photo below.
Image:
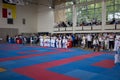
[88, 28]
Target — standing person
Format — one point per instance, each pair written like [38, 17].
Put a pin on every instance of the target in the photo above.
[73, 40]
[48, 41]
[95, 44]
[111, 41]
[52, 41]
[45, 40]
[83, 41]
[79, 40]
[101, 42]
[24, 40]
[7, 38]
[32, 40]
[57, 42]
[64, 42]
[117, 55]
[117, 38]
[89, 41]
[41, 41]
[106, 43]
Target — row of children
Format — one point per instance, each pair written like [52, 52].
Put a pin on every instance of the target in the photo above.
[58, 42]
[105, 41]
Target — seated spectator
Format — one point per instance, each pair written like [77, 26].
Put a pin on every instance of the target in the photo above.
[64, 24]
[113, 21]
[56, 25]
[94, 21]
[88, 22]
[70, 23]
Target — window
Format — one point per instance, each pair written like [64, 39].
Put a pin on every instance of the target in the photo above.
[89, 12]
[83, 1]
[113, 10]
[69, 14]
[91, 6]
[81, 14]
[69, 3]
[80, 1]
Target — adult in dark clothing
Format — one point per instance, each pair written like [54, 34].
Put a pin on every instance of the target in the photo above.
[7, 37]
[113, 21]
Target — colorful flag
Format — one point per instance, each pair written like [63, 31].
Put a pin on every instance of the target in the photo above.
[11, 10]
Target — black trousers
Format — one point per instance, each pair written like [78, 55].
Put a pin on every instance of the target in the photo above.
[89, 43]
[111, 44]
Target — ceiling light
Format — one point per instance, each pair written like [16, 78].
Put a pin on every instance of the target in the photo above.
[50, 7]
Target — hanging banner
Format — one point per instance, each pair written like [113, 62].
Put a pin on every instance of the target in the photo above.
[8, 10]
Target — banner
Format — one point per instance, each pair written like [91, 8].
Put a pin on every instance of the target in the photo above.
[10, 10]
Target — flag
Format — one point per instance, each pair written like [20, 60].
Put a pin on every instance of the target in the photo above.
[11, 11]
[7, 13]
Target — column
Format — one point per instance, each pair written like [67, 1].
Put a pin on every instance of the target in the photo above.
[74, 18]
[103, 14]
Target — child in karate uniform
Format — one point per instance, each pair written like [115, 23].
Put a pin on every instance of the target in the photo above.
[64, 42]
[41, 41]
[52, 42]
[57, 42]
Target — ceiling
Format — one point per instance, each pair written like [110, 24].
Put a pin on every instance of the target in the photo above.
[55, 2]
[51, 3]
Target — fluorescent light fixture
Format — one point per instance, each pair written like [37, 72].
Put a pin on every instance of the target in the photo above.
[50, 7]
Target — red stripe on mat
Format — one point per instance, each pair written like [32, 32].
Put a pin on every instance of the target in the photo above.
[31, 55]
[38, 71]
[105, 64]
[42, 74]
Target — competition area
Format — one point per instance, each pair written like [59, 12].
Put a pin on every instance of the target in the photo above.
[26, 62]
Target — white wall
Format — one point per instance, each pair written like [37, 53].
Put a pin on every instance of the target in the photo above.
[45, 17]
[38, 18]
[28, 12]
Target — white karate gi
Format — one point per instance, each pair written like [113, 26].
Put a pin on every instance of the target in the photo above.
[117, 40]
[59, 43]
[64, 42]
[52, 42]
[41, 41]
[56, 42]
[48, 41]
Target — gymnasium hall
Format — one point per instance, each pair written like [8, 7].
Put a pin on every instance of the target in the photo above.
[59, 39]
